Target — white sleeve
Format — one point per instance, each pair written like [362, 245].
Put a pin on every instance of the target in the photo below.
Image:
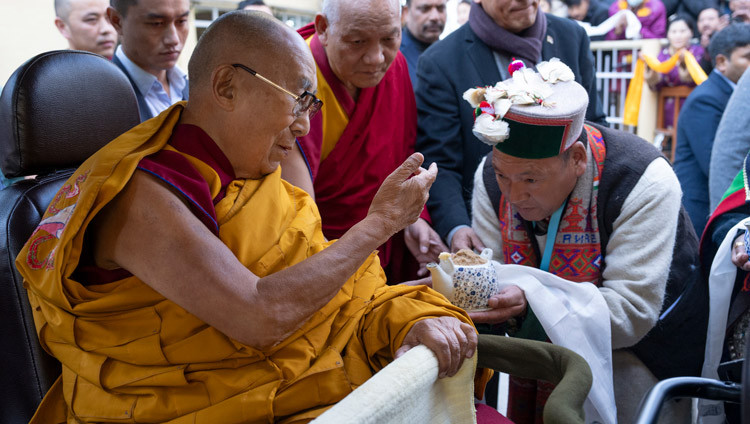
[639, 254]
[484, 220]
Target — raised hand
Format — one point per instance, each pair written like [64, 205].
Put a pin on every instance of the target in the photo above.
[402, 196]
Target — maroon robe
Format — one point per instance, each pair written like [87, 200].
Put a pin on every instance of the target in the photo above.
[380, 135]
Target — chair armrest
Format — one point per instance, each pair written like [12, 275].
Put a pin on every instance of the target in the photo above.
[692, 387]
[542, 361]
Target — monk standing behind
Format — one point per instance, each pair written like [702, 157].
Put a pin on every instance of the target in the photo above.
[367, 128]
[176, 276]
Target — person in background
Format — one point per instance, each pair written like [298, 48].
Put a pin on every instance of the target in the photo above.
[733, 206]
[651, 14]
[84, 24]
[710, 21]
[424, 22]
[740, 11]
[367, 128]
[680, 30]
[462, 11]
[153, 34]
[591, 11]
[700, 117]
[732, 142]
[257, 5]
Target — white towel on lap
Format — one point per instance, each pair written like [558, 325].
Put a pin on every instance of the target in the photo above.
[408, 391]
[575, 316]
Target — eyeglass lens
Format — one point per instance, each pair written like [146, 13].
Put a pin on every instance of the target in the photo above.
[307, 102]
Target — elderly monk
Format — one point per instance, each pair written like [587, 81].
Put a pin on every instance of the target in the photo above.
[596, 206]
[177, 277]
[367, 128]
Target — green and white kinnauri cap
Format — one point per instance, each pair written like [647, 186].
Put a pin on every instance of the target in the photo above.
[530, 115]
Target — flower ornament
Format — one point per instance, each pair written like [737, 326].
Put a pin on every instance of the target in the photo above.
[490, 130]
[554, 71]
[525, 88]
[515, 65]
[474, 96]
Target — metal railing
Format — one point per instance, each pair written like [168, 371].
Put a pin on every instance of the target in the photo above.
[614, 62]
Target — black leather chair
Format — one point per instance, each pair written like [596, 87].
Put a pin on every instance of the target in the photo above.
[55, 111]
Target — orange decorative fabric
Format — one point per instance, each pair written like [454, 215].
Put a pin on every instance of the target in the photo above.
[635, 89]
[131, 355]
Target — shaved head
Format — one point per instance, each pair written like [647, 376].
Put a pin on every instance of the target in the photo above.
[331, 9]
[252, 38]
[361, 39]
[62, 9]
[247, 75]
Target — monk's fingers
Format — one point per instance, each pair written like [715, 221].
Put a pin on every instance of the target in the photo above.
[407, 168]
[403, 349]
[450, 338]
[435, 333]
[425, 177]
[471, 339]
[463, 347]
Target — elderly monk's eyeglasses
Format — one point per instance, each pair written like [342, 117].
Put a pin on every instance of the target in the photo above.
[305, 102]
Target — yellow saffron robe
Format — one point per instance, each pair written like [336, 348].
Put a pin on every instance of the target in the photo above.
[130, 355]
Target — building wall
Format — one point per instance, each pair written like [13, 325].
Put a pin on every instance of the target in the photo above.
[27, 28]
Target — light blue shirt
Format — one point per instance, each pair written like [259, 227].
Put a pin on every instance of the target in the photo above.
[730, 82]
[149, 86]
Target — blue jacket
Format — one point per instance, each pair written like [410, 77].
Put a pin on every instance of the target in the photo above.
[696, 128]
[412, 48]
[450, 67]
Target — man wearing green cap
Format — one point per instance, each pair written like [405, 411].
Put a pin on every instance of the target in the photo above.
[590, 205]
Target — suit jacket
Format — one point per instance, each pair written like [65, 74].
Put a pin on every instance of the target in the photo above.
[696, 128]
[450, 67]
[143, 108]
[731, 143]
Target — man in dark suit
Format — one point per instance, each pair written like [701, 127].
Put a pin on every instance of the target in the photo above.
[153, 34]
[700, 116]
[478, 54]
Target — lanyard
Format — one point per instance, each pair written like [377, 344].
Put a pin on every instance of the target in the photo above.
[554, 223]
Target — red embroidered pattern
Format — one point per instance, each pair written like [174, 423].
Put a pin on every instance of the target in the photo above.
[51, 227]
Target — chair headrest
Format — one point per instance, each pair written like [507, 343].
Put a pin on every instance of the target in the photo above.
[60, 107]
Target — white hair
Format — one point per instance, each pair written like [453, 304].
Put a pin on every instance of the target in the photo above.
[330, 8]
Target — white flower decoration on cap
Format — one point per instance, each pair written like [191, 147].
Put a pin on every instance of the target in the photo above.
[554, 71]
[525, 87]
[486, 127]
